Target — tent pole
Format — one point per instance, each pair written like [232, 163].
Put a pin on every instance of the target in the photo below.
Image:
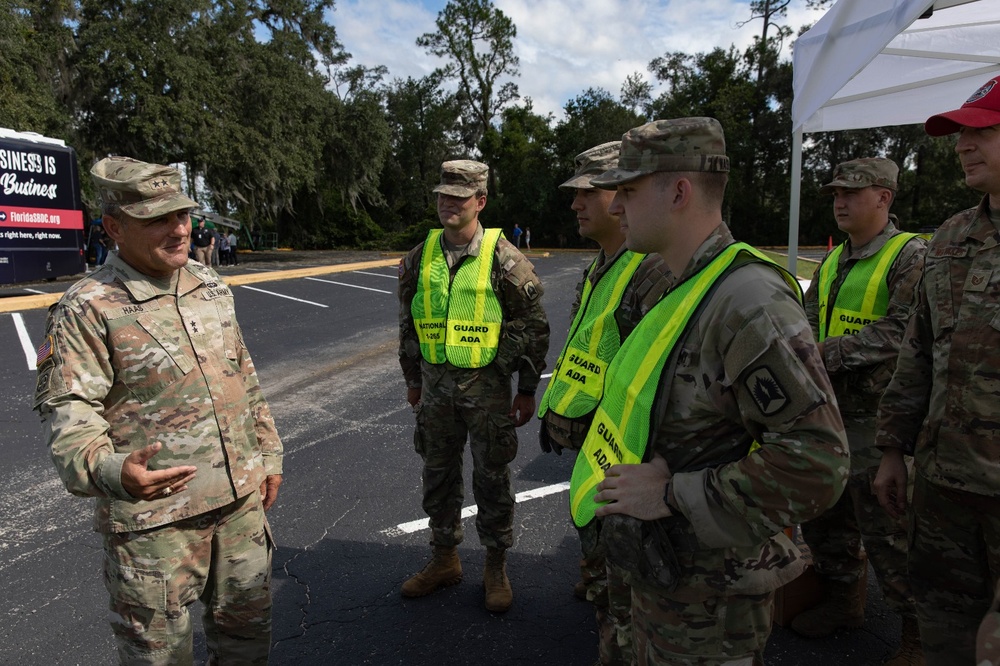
[793, 205]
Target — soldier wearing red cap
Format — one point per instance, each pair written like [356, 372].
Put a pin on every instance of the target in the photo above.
[942, 404]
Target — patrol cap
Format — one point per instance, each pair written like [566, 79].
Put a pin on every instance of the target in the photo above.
[462, 178]
[980, 110]
[143, 190]
[680, 144]
[593, 162]
[863, 172]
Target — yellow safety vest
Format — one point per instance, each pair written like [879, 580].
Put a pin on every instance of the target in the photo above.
[458, 319]
[864, 296]
[577, 382]
[620, 431]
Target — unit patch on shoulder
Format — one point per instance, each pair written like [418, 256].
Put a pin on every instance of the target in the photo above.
[767, 393]
[401, 269]
[530, 291]
[45, 351]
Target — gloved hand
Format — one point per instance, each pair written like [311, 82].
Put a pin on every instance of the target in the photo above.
[547, 444]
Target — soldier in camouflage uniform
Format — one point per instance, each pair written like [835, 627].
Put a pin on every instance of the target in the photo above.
[151, 404]
[725, 359]
[461, 389]
[647, 279]
[942, 403]
[859, 346]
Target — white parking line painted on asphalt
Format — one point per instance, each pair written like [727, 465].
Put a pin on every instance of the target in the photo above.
[344, 284]
[261, 270]
[393, 277]
[424, 523]
[546, 375]
[22, 333]
[291, 298]
[35, 291]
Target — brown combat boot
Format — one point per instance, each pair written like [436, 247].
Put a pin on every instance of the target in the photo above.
[843, 608]
[443, 570]
[910, 652]
[499, 596]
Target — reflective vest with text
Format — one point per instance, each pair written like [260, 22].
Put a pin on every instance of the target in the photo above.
[864, 296]
[577, 382]
[457, 320]
[621, 429]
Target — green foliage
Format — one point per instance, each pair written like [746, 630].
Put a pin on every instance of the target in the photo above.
[478, 40]
[275, 126]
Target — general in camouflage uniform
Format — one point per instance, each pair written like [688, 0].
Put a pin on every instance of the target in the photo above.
[469, 318]
[859, 339]
[617, 289]
[151, 404]
[943, 403]
[725, 359]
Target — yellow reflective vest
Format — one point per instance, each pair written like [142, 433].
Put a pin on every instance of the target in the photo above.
[457, 320]
[577, 382]
[864, 296]
[621, 429]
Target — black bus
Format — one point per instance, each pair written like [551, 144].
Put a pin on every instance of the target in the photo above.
[41, 214]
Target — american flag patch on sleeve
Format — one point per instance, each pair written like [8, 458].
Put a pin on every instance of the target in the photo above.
[44, 351]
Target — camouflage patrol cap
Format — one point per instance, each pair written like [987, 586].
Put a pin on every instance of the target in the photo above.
[592, 163]
[864, 172]
[980, 110]
[143, 190]
[462, 178]
[680, 144]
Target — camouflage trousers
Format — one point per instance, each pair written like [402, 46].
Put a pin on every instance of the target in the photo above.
[448, 415]
[570, 434]
[836, 537]
[954, 563]
[614, 622]
[222, 557]
[718, 631]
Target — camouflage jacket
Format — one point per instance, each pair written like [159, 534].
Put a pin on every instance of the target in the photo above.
[942, 404]
[644, 290]
[861, 365]
[134, 361]
[746, 369]
[524, 336]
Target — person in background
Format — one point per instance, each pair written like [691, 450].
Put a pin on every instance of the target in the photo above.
[234, 241]
[717, 428]
[470, 317]
[858, 304]
[204, 241]
[941, 405]
[617, 289]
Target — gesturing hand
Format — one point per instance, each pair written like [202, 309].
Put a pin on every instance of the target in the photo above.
[146, 484]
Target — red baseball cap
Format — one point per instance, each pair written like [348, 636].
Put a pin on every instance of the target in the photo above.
[980, 110]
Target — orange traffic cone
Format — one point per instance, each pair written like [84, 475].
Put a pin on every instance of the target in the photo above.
[829, 243]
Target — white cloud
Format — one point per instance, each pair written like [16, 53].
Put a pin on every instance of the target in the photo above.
[564, 46]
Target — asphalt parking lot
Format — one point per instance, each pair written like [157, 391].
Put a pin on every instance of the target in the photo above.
[348, 521]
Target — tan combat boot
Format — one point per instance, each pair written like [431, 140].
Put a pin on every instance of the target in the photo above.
[499, 596]
[910, 652]
[443, 570]
[843, 608]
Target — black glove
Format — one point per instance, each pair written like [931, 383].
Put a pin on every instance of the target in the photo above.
[548, 446]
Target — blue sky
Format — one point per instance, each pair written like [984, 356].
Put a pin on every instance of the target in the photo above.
[565, 46]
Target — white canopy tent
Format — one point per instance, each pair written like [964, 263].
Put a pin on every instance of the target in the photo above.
[873, 63]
